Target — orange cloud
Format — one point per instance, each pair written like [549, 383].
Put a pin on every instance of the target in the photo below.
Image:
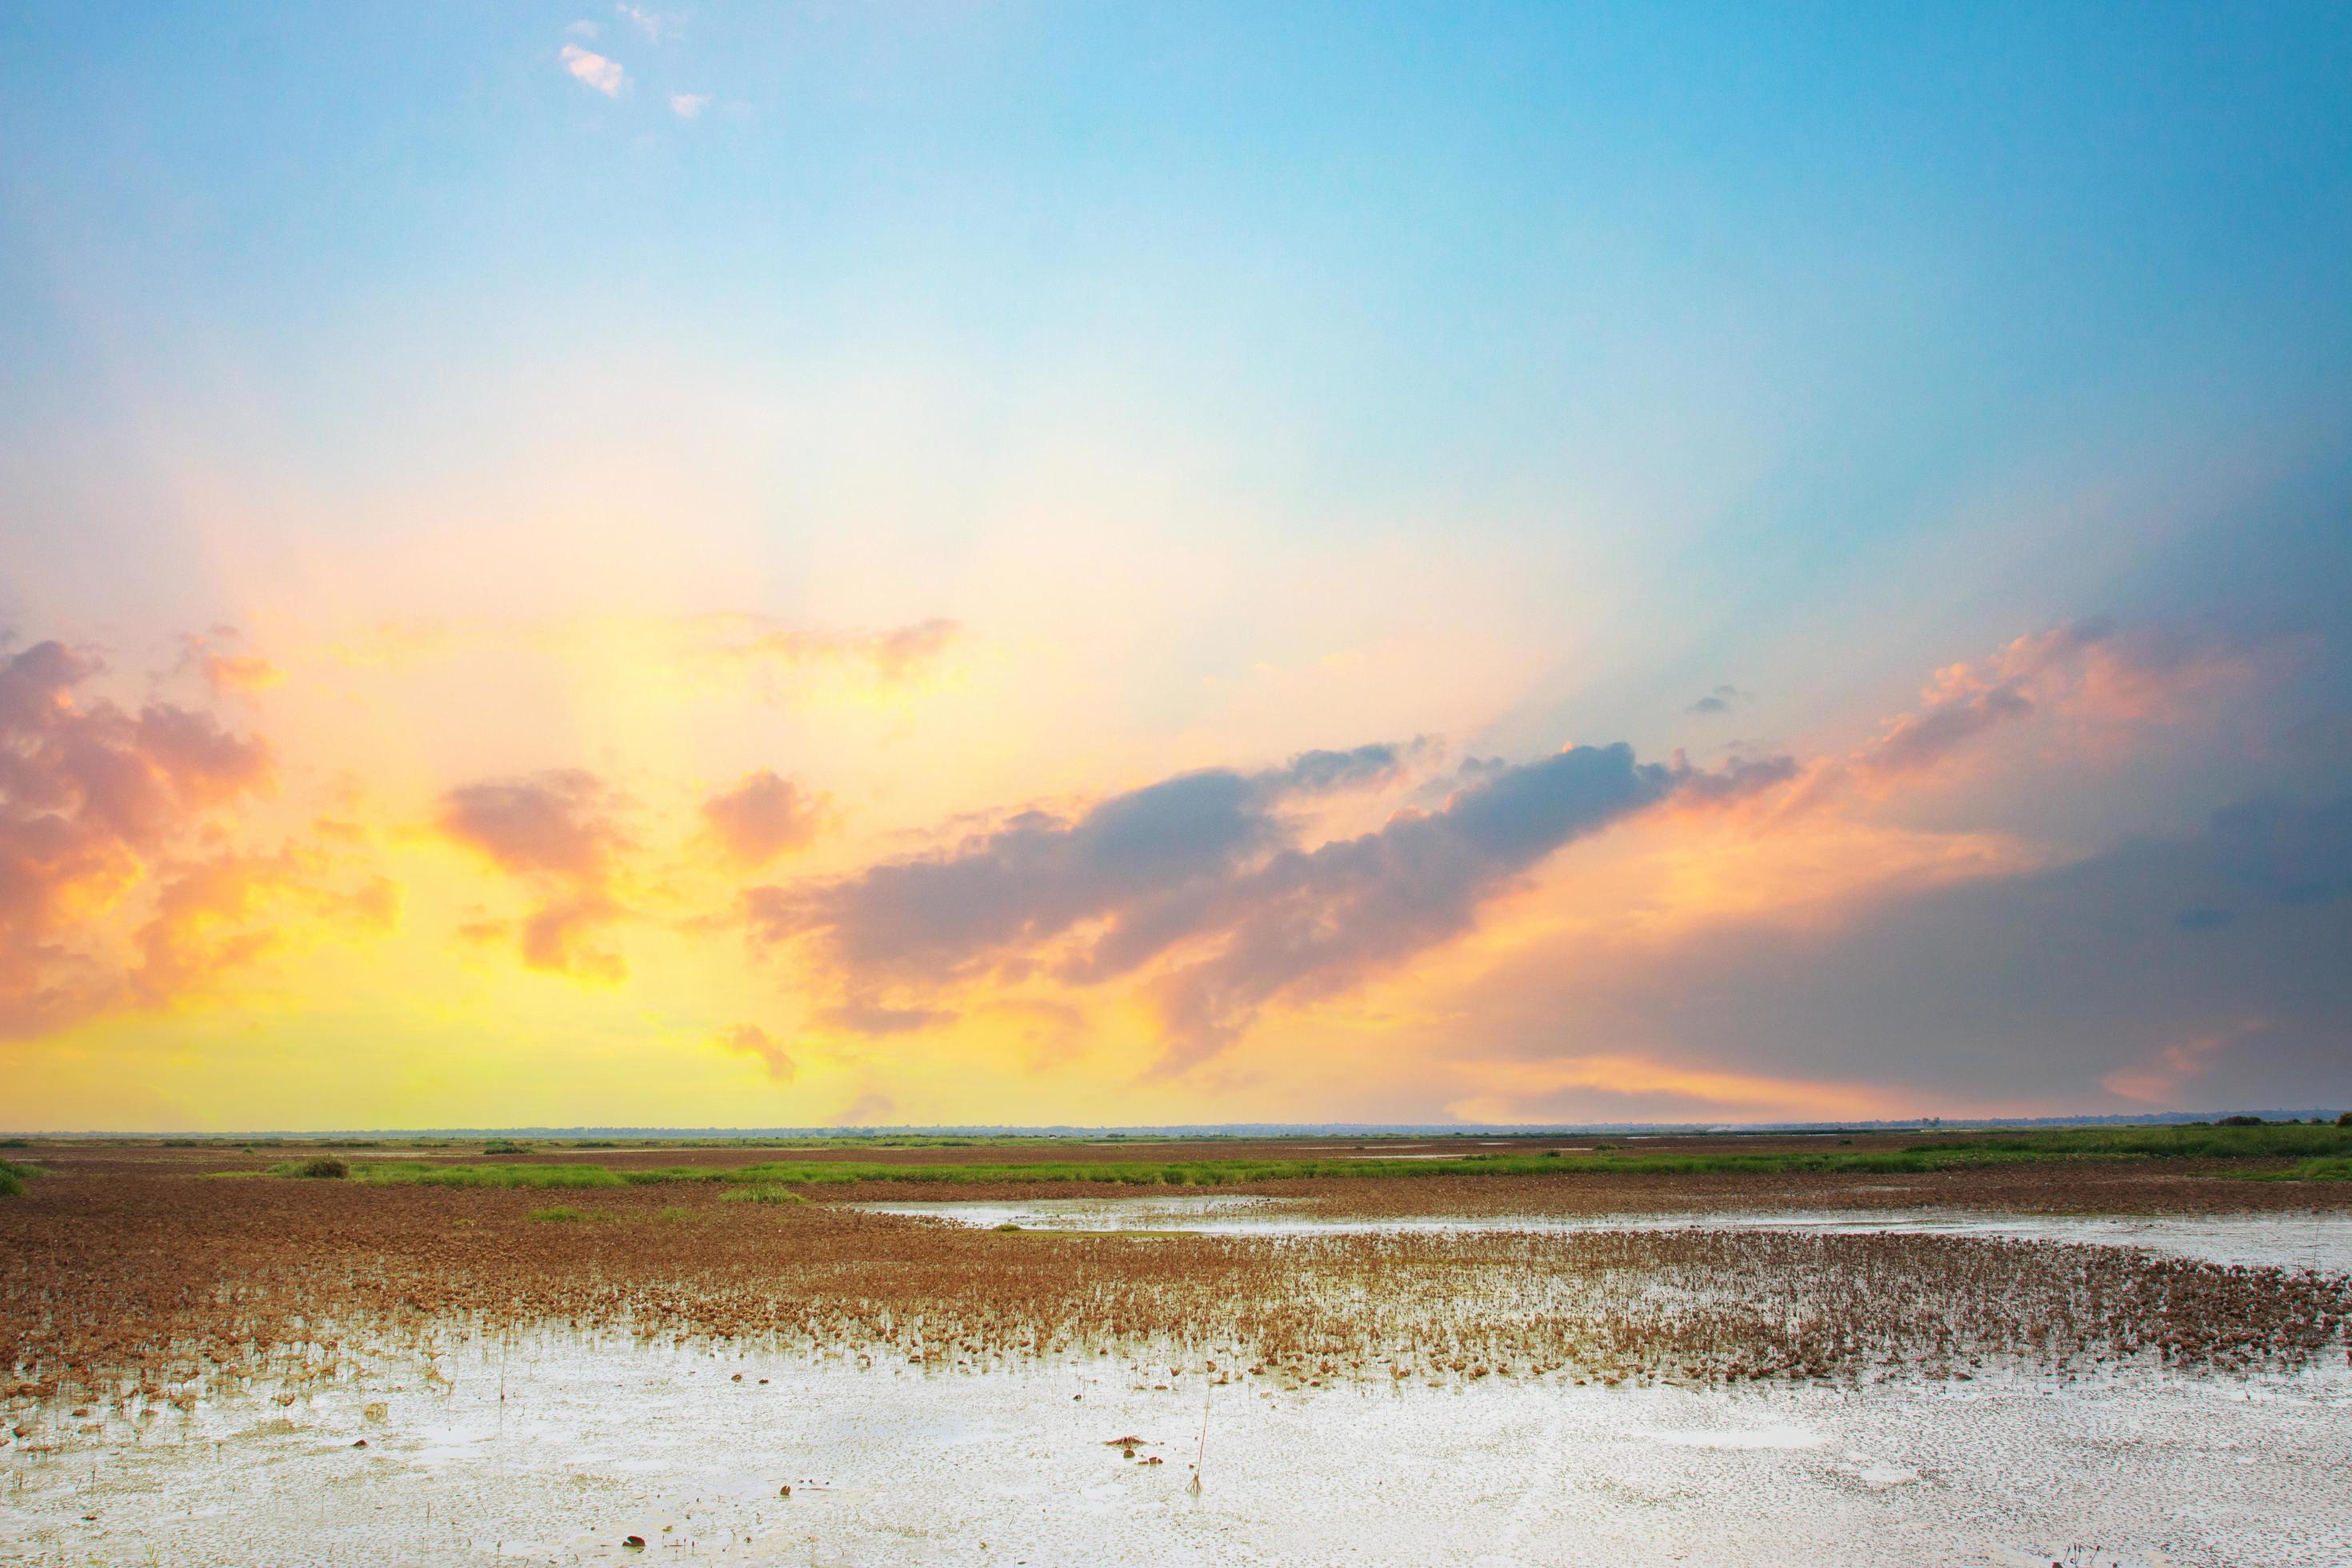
[762, 817]
[1600, 1088]
[217, 916]
[553, 823]
[89, 795]
[224, 671]
[555, 832]
[2159, 1080]
[241, 672]
[751, 1040]
[2086, 674]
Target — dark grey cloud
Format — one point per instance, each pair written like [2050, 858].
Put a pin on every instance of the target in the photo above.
[1037, 876]
[875, 1018]
[2199, 971]
[1201, 871]
[1722, 699]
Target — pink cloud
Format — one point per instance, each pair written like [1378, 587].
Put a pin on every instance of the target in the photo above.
[762, 817]
[594, 71]
[555, 832]
[90, 797]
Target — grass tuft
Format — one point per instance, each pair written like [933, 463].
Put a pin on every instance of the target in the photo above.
[763, 1193]
[319, 1167]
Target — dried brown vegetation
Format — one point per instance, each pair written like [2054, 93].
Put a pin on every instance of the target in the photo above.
[152, 1282]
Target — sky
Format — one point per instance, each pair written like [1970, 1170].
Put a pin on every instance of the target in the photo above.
[962, 563]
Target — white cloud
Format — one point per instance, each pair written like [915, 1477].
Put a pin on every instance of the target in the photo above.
[650, 22]
[584, 28]
[594, 70]
[688, 105]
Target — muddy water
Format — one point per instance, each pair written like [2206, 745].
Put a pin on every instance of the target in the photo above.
[555, 1449]
[2319, 1241]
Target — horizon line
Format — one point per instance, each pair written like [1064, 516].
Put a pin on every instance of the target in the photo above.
[1208, 1129]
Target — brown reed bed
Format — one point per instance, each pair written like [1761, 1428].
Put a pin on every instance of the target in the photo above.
[141, 1285]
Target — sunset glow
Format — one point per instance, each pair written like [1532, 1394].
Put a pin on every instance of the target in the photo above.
[962, 564]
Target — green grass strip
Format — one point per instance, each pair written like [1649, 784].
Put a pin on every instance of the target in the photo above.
[2130, 1143]
[2273, 1140]
[1135, 1173]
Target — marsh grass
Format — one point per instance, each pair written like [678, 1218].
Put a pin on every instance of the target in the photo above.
[319, 1168]
[419, 1173]
[1235, 1171]
[763, 1193]
[137, 1290]
[2260, 1141]
[2272, 1142]
[1139, 1174]
[14, 1174]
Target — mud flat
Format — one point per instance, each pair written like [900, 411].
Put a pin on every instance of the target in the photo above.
[555, 1448]
[265, 1370]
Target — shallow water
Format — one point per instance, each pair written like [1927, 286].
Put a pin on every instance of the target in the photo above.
[2318, 1241]
[554, 1450]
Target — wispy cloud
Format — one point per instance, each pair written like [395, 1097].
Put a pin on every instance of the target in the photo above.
[2098, 681]
[867, 1111]
[777, 656]
[212, 655]
[688, 105]
[1722, 699]
[891, 653]
[652, 23]
[594, 71]
[2162, 1079]
[750, 1040]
